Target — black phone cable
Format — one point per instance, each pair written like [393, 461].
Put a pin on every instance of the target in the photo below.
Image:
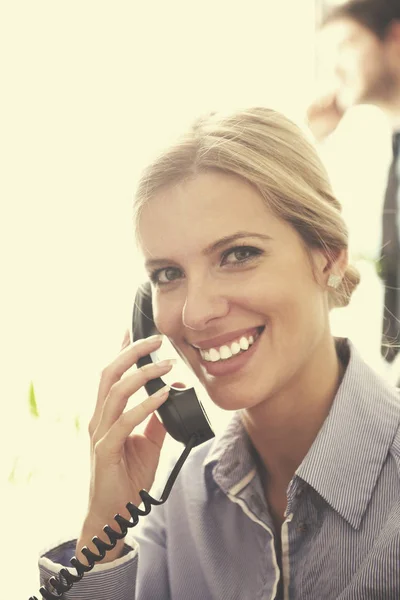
[113, 536]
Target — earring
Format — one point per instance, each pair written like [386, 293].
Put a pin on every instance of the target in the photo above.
[334, 280]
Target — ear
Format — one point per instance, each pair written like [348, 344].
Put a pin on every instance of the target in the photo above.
[327, 264]
[337, 267]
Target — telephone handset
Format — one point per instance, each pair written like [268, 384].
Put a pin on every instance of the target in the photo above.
[185, 420]
[182, 413]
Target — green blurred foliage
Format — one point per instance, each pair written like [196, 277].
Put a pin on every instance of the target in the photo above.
[25, 465]
[33, 409]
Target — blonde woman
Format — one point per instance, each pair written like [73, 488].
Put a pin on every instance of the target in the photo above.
[245, 247]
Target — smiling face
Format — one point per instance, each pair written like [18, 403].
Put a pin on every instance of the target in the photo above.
[361, 61]
[227, 274]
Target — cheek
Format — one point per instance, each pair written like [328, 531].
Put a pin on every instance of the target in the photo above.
[351, 64]
[167, 316]
[298, 303]
[367, 65]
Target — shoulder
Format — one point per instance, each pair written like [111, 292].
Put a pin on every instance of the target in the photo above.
[395, 447]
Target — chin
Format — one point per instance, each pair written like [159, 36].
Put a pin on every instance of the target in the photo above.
[230, 403]
[235, 396]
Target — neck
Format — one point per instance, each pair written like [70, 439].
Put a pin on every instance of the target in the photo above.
[283, 428]
[391, 107]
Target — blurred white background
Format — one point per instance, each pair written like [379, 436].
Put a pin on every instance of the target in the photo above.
[90, 91]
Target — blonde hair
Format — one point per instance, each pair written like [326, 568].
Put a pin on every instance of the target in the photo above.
[272, 153]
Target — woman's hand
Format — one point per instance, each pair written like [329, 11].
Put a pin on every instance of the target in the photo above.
[123, 462]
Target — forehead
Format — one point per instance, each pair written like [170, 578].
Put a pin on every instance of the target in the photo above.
[200, 210]
[341, 32]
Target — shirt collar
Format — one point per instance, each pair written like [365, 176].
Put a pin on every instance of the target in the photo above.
[347, 456]
[230, 458]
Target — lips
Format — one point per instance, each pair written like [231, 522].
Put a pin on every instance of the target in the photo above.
[233, 365]
[227, 338]
[227, 351]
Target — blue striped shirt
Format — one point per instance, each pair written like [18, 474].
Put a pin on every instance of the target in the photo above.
[214, 537]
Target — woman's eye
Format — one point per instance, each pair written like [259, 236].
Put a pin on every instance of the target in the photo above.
[162, 276]
[240, 255]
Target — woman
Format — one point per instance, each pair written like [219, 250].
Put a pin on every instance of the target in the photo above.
[246, 249]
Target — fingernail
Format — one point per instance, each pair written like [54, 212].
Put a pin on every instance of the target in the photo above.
[155, 338]
[164, 390]
[166, 363]
[127, 340]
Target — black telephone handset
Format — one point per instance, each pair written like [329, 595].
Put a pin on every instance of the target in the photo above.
[182, 413]
[185, 420]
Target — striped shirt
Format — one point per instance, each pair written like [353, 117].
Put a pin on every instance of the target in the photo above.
[214, 538]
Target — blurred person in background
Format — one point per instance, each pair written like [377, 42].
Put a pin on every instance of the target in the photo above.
[365, 38]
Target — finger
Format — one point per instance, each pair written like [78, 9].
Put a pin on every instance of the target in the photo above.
[114, 371]
[327, 99]
[321, 106]
[112, 442]
[120, 393]
[126, 339]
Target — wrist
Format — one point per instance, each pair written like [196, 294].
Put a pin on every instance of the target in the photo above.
[90, 529]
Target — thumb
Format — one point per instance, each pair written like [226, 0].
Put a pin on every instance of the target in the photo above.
[155, 431]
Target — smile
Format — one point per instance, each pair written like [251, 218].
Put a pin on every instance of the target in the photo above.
[227, 351]
[237, 352]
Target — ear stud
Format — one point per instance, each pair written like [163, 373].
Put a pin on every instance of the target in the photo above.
[334, 280]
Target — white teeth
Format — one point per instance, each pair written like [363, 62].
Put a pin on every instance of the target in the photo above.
[244, 343]
[235, 347]
[225, 352]
[214, 355]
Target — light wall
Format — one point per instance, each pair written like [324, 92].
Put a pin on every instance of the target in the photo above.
[90, 91]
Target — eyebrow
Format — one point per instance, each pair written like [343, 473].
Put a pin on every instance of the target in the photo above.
[224, 241]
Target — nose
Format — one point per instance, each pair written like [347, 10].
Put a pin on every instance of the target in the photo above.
[204, 302]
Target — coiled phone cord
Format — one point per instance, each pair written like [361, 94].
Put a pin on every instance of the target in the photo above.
[113, 535]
